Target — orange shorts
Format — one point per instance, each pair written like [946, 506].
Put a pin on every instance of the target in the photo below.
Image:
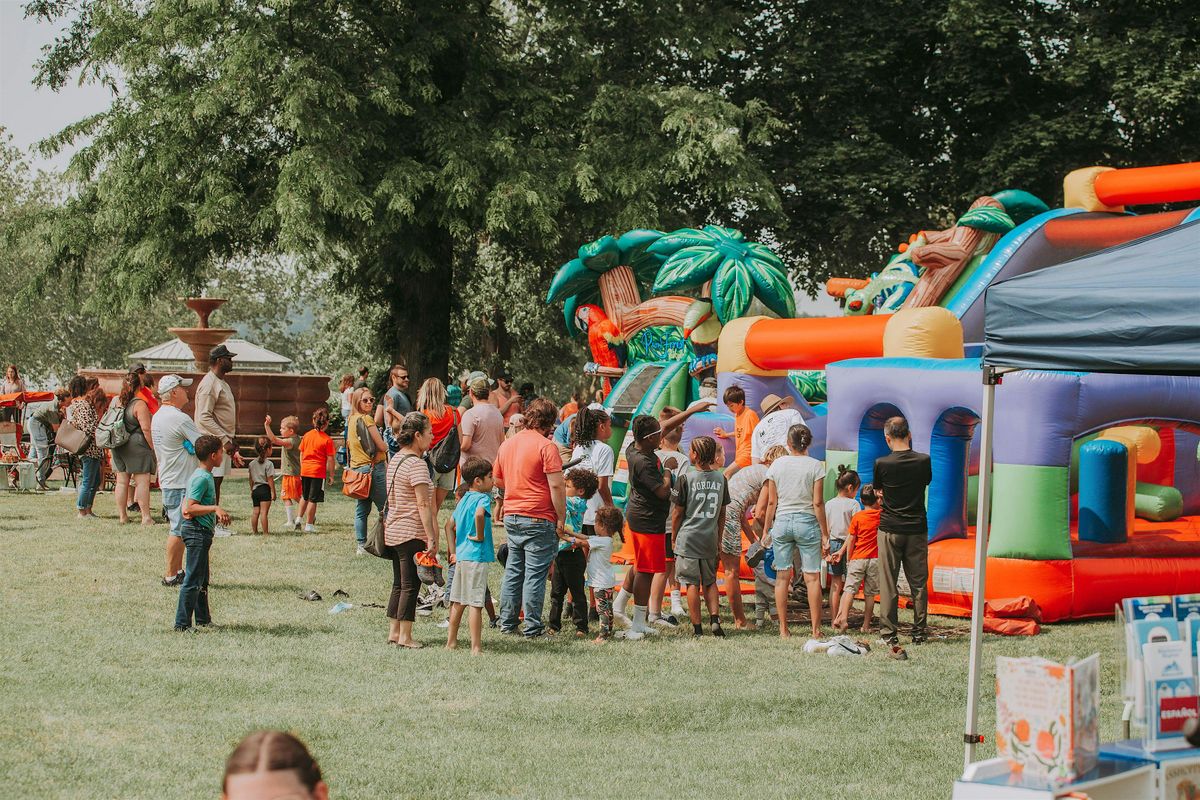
[649, 551]
[291, 487]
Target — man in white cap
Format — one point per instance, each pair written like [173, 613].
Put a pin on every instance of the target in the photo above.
[174, 435]
[778, 416]
[216, 414]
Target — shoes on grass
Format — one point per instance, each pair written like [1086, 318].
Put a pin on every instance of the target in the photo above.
[221, 530]
[360, 551]
[665, 622]
[632, 635]
[175, 581]
[897, 652]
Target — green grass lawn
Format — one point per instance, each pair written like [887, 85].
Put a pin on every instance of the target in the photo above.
[100, 698]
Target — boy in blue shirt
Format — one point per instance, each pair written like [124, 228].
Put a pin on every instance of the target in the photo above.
[474, 552]
[200, 515]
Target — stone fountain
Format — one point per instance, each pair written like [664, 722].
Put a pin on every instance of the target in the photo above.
[202, 338]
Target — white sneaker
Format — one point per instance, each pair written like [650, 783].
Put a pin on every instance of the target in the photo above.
[444, 624]
[677, 611]
[361, 551]
[622, 619]
[663, 622]
[632, 636]
[310, 528]
[221, 530]
[650, 631]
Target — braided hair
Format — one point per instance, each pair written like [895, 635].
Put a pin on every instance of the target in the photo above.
[704, 451]
[587, 422]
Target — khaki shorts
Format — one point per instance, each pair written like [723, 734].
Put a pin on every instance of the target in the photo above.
[695, 571]
[224, 468]
[445, 480]
[863, 571]
[470, 583]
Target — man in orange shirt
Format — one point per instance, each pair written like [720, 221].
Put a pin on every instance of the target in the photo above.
[744, 422]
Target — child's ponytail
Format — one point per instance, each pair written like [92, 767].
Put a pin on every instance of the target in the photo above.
[846, 478]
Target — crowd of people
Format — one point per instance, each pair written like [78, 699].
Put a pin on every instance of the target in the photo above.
[545, 473]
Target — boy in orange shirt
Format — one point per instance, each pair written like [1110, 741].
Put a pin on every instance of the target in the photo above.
[744, 422]
[316, 462]
[862, 543]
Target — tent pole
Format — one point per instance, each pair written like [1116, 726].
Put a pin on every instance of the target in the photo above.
[971, 736]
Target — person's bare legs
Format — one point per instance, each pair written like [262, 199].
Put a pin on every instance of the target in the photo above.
[812, 582]
[302, 513]
[141, 493]
[404, 634]
[121, 497]
[217, 481]
[311, 518]
[733, 588]
[254, 520]
[456, 612]
[266, 510]
[641, 586]
[841, 615]
[394, 631]
[712, 597]
[175, 550]
[868, 610]
[657, 586]
[475, 623]
[783, 580]
[836, 586]
[693, 603]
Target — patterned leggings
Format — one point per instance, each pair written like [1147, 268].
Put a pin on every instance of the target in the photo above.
[604, 607]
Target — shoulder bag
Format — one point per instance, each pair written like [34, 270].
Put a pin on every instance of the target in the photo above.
[375, 545]
[70, 439]
[444, 455]
[111, 432]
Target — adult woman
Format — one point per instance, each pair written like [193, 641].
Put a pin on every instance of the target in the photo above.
[96, 397]
[368, 454]
[431, 401]
[795, 517]
[135, 458]
[12, 383]
[82, 415]
[345, 389]
[272, 764]
[747, 495]
[410, 527]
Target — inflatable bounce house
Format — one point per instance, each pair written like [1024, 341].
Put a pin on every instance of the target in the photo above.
[1095, 473]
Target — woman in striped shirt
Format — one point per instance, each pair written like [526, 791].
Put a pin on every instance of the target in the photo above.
[410, 528]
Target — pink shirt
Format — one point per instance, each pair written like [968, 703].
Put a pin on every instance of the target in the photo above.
[522, 465]
[484, 424]
[403, 517]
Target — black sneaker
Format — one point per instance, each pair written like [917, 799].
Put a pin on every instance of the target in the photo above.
[718, 631]
[176, 581]
[920, 638]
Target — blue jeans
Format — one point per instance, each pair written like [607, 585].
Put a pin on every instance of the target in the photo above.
[193, 594]
[532, 545]
[172, 500]
[362, 511]
[89, 482]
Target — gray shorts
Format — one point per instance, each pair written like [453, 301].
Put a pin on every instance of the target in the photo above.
[695, 571]
[470, 583]
[863, 571]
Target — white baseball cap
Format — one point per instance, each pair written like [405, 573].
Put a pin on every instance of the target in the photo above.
[168, 382]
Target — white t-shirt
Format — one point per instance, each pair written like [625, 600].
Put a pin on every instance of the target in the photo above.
[772, 430]
[170, 428]
[599, 566]
[597, 457]
[838, 513]
[346, 402]
[795, 477]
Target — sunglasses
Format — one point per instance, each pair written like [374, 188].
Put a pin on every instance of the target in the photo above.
[367, 400]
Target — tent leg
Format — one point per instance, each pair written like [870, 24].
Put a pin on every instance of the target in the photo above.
[971, 736]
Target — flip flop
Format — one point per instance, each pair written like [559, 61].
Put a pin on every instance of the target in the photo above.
[409, 646]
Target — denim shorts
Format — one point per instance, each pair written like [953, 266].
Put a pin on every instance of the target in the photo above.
[838, 570]
[793, 532]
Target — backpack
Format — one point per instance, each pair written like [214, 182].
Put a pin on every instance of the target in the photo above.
[444, 455]
[111, 432]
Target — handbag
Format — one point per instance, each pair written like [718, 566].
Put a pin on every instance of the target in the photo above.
[375, 544]
[356, 484]
[364, 438]
[71, 439]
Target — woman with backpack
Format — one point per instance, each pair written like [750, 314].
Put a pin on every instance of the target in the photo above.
[368, 456]
[126, 425]
[447, 433]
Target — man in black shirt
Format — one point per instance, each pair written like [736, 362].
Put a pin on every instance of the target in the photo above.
[903, 531]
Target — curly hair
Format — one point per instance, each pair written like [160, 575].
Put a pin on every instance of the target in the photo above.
[584, 480]
[541, 415]
[610, 518]
[587, 422]
[704, 452]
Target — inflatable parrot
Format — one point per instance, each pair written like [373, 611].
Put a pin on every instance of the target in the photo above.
[604, 339]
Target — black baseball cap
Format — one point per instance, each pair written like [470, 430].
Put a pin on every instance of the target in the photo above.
[220, 351]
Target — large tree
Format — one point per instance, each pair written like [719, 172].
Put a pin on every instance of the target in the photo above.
[381, 137]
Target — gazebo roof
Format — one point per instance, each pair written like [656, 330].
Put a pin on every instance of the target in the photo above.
[249, 355]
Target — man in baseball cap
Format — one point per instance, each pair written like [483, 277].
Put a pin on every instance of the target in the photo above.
[174, 435]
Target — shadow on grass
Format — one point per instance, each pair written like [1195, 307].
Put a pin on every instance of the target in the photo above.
[275, 630]
[291, 588]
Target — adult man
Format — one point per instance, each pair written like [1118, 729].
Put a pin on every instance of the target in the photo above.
[504, 398]
[41, 419]
[482, 425]
[902, 477]
[174, 435]
[779, 414]
[216, 414]
[395, 397]
[529, 470]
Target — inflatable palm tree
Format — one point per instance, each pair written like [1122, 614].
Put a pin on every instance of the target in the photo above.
[740, 271]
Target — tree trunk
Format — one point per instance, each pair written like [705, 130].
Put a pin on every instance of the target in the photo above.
[417, 331]
[618, 292]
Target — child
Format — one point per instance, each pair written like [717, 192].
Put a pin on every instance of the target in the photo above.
[571, 561]
[863, 547]
[676, 461]
[451, 529]
[316, 463]
[609, 522]
[699, 499]
[838, 512]
[289, 440]
[474, 552]
[200, 516]
[262, 485]
[744, 421]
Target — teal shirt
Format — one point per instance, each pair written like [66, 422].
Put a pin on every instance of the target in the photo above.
[576, 507]
[466, 548]
[202, 489]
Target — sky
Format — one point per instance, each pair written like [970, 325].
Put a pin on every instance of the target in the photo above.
[28, 113]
